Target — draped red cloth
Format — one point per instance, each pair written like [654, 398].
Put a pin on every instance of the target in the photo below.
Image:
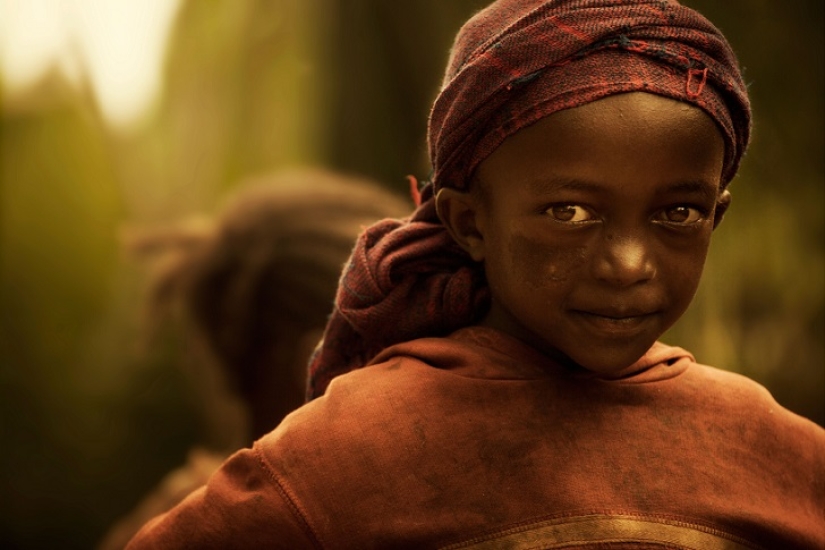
[395, 289]
[512, 64]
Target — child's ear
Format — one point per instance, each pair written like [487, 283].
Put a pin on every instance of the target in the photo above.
[458, 211]
[722, 205]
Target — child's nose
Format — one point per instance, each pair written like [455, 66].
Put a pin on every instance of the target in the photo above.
[624, 260]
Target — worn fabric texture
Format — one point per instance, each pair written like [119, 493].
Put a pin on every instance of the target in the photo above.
[521, 60]
[478, 441]
[512, 64]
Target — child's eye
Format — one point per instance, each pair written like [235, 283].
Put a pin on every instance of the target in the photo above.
[571, 213]
[683, 215]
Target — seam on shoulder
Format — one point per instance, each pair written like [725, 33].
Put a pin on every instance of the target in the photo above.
[290, 499]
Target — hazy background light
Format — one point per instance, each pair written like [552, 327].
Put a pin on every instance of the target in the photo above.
[33, 37]
[117, 45]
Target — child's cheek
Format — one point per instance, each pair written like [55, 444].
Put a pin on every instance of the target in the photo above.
[540, 261]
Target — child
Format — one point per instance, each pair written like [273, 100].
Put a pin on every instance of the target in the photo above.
[515, 394]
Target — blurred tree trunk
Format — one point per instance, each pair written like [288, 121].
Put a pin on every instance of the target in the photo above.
[387, 60]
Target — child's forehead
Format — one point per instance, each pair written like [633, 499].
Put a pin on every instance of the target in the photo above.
[627, 109]
[627, 116]
[608, 145]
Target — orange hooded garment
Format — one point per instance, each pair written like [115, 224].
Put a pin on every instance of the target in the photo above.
[478, 441]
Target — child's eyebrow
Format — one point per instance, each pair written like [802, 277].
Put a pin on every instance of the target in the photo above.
[548, 185]
[706, 189]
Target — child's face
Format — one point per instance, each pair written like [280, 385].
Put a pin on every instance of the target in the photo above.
[594, 223]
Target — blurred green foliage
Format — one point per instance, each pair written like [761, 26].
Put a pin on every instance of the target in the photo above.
[90, 419]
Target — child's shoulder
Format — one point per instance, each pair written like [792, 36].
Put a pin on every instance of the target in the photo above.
[723, 391]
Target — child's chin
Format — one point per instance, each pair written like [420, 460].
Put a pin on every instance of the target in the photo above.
[609, 363]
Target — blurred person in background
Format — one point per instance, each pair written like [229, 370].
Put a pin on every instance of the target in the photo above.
[253, 290]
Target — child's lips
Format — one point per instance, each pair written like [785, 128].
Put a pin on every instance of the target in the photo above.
[616, 322]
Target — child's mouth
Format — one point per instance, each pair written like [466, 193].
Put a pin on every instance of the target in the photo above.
[616, 323]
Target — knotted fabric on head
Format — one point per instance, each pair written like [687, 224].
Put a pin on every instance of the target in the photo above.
[512, 64]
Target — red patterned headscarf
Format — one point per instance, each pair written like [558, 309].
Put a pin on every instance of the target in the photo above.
[512, 64]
